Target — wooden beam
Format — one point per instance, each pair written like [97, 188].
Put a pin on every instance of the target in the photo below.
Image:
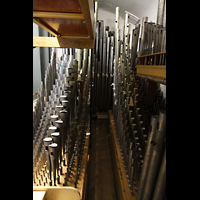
[159, 53]
[45, 26]
[153, 71]
[58, 15]
[63, 42]
[87, 8]
[74, 37]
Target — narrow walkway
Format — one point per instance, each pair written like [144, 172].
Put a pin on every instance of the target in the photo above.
[101, 184]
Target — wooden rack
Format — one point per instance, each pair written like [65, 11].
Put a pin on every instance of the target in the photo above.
[156, 72]
[71, 22]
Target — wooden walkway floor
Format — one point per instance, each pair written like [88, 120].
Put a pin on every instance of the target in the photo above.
[101, 185]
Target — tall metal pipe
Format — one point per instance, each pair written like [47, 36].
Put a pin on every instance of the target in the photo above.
[156, 157]
[152, 131]
[160, 12]
[144, 19]
[160, 189]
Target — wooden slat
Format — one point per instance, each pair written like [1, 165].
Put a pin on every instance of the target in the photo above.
[159, 53]
[63, 42]
[88, 12]
[58, 15]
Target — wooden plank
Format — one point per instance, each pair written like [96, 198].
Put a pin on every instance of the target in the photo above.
[124, 185]
[66, 27]
[87, 8]
[45, 26]
[120, 181]
[74, 37]
[71, 6]
[154, 71]
[63, 42]
[116, 167]
[58, 15]
[59, 193]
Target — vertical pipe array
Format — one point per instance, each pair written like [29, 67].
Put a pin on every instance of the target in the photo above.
[63, 116]
[138, 144]
[103, 67]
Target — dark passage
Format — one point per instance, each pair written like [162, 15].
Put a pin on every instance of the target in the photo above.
[101, 185]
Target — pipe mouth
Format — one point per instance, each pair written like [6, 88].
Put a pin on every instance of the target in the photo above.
[63, 96]
[47, 139]
[52, 128]
[55, 134]
[53, 145]
[59, 106]
[65, 101]
[59, 121]
[54, 116]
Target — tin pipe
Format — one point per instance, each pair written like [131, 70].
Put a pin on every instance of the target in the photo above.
[53, 159]
[160, 188]
[156, 157]
[152, 130]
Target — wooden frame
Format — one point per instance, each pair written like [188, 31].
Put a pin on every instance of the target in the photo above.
[71, 29]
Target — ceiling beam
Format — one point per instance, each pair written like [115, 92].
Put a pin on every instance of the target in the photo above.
[58, 15]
